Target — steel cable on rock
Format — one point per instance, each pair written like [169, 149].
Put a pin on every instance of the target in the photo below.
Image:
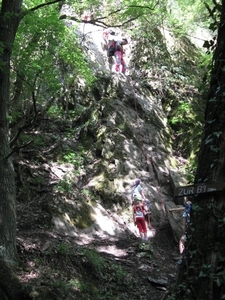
[148, 161]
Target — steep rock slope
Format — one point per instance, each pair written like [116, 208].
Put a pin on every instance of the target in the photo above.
[120, 133]
[76, 236]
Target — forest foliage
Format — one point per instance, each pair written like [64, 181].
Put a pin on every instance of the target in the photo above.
[48, 58]
[47, 55]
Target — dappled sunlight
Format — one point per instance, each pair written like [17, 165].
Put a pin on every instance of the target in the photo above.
[158, 206]
[25, 278]
[77, 133]
[104, 222]
[112, 249]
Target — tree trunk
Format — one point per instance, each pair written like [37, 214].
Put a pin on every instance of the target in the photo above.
[202, 272]
[9, 21]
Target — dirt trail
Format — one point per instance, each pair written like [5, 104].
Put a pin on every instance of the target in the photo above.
[48, 259]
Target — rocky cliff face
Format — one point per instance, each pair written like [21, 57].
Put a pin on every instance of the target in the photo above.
[123, 132]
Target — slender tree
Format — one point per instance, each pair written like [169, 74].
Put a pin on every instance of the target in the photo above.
[202, 274]
[10, 16]
[9, 22]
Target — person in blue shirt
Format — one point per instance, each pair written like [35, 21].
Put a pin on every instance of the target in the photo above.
[187, 212]
[137, 193]
[186, 208]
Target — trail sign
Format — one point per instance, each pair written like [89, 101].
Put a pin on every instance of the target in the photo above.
[201, 188]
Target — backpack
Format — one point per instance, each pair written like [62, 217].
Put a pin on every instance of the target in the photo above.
[138, 210]
[111, 49]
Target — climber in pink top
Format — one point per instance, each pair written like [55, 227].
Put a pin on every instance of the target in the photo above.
[119, 56]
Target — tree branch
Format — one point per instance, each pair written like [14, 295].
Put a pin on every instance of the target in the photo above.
[40, 6]
[100, 23]
[97, 21]
[16, 149]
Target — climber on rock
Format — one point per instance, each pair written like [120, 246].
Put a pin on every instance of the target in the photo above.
[137, 194]
[119, 52]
